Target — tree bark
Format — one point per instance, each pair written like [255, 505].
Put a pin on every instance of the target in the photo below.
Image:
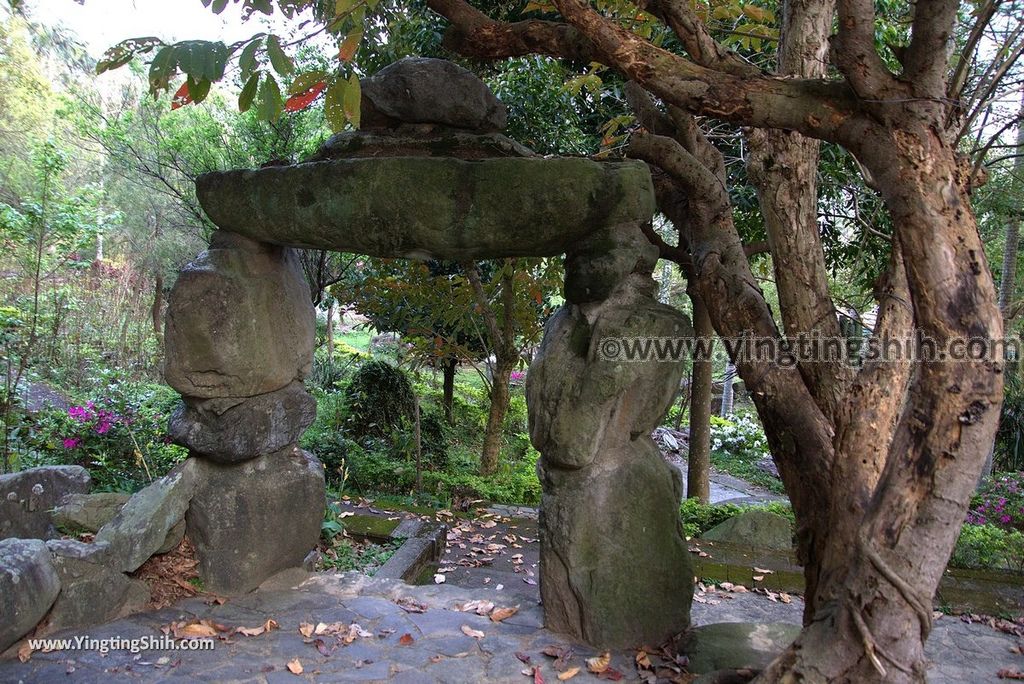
[502, 338]
[698, 474]
[330, 332]
[157, 309]
[451, 366]
[500, 396]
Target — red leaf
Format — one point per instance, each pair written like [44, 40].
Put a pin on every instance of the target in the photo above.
[405, 639]
[537, 678]
[611, 674]
[181, 98]
[296, 103]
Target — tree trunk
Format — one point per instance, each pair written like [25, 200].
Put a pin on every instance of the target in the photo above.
[503, 368]
[728, 396]
[157, 309]
[886, 553]
[451, 366]
[330, 332]
[698, 474]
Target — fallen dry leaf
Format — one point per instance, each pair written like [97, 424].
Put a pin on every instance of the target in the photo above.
[763, 571]
[537, 678]
[643, 661]
[439, 578]
[568, 674]
[256, 631]
[1007, 673]
[470, 632]
[294, 666]
[480, 607]
[523, 657]
[25, 651]
[599, 664]
[405, 639]
[321, 646]
[500, 614]
[306, 629]
[411, 605]
[611, 674]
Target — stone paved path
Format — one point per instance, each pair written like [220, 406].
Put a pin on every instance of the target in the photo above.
[437, 649]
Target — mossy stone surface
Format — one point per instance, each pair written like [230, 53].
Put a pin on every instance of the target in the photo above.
[430, 207]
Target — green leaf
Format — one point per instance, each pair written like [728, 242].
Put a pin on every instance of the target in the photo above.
[248, 93]
[124, 52]
[247, 61]
[271, 106]
[218, 5]
[162, 69]
[305, 81]
[198, 89]
[342, 6]
[351, 99]
[202, 58]
[281, 62]
[334, 108]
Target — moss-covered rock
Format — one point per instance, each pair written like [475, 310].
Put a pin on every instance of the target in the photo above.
[430, 207]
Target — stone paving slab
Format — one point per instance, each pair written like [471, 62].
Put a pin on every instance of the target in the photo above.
[439, 650]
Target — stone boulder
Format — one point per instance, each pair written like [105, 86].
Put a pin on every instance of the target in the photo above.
[239, 321]
[233, 430]
[615, 570]
[251, 520]
[736, 645]
[91, 592]
[142, 527]
[26, 498]
[88, 512]
[426, 90]
[754, 528]
[29, 584]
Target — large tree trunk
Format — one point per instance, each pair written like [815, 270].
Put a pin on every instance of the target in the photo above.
[450, 366]
[503, 368]
[157, 309]
[698, 474]
[887, 551]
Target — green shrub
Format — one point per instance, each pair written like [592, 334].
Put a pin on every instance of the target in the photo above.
[989, 547]
[698, 517]
[999, 501]
[378, 398]
[737, 445]
[119, 435]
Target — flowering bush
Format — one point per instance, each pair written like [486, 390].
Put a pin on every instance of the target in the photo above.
[1000, 502]
[121, 436]
[741, 436]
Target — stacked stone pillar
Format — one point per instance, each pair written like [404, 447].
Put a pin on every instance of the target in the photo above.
[239, 341]
[614, 565]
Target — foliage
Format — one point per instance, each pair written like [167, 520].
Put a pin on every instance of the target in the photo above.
[738, 446]
[989, 547]
[1009, 447]
[699, 517]
[378, 398]
[999, 502]
[119, 434]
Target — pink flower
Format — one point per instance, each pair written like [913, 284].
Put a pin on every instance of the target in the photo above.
[71, 442]
[103, 427]
[79, 413]
[1004, 519]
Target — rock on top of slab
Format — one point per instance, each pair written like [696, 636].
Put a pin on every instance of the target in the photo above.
[426, 90]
